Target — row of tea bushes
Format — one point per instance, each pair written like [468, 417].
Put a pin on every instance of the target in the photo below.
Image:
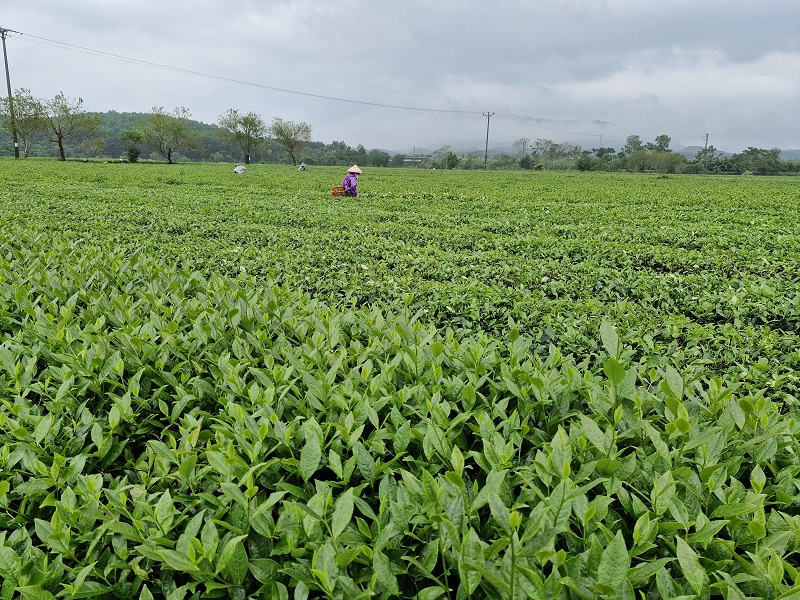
[167, 433]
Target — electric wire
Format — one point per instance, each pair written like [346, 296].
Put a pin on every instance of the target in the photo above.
[508, 118]
[527, 121]
[73, 47]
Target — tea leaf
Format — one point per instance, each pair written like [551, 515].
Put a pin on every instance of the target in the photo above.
[593, 433]
[35, 592]
[237, 565]
[231, 551]
[611, 341]
[164, 512]
[310, 456]
[614, 564]
[614, 371]
[691, 567]
[10, 563]
[342, 513]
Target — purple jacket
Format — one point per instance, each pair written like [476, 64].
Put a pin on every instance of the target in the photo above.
[349, 184]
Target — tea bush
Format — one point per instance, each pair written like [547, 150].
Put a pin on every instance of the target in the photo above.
[190, 426]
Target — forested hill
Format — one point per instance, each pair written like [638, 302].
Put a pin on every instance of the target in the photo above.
[106, 143]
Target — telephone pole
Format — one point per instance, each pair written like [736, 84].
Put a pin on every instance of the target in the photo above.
[705, 146]
[3, 32]
[488, 116]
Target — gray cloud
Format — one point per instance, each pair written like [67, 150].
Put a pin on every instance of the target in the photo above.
[567, 70]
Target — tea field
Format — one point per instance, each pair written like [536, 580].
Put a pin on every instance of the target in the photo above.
[459, 385]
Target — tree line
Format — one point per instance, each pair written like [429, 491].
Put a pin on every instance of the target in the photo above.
[635, 156]
[61, 127]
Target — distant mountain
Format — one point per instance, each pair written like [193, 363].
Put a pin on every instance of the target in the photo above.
[690, 152]
[790, 154]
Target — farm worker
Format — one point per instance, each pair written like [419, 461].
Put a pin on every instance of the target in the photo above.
[302, 166]
[239, 169]
[350, 183]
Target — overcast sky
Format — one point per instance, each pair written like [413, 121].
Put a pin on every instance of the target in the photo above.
[589, 72]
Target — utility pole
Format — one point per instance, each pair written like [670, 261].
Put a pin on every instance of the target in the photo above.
[3, 32]
[705, 146]
[488, 116]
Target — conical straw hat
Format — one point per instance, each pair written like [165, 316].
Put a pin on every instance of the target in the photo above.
[354, 169]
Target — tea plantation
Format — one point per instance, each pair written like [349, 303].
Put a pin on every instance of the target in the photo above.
[461, 385]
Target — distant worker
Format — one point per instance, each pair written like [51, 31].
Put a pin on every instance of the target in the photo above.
[302, 166]
[350, 183]
[239, 169]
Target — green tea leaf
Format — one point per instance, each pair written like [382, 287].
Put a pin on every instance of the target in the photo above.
[499, 512]
[402, 437]
[691, 567]
[593, 433]
[42, 428]
[237, 566]
[310, 456]
[342, 513]
[610, 337]
[10, 563]
[431, 593]
[493, 482]
[366, 464]
[383, 571]
[229, 551]
[614, 563]
[164, 512]
[614, 371]
[674, 382]
[35, 592]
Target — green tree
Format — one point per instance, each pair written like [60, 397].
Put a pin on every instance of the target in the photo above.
[711, 160]
[445, 158]
[93, 145]
[667, 161]
[638, 160]
[632, 144]
[603, 153]
[555, 155]
[291, 136]
[378, 158]
[505, 161]
[66, 117]
[169, 133]
[661, 144]
[398, 160]
[586, 163]
[758, 161]
[28, 116]
[247, 132]
[135, 138]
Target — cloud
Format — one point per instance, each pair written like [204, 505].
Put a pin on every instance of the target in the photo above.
[572, 69]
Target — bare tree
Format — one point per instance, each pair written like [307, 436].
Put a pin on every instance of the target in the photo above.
[521, 146]
[65, 117]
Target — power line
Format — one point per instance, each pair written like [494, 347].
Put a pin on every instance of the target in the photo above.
[73, 47]
[527, 121]
[119, 57]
